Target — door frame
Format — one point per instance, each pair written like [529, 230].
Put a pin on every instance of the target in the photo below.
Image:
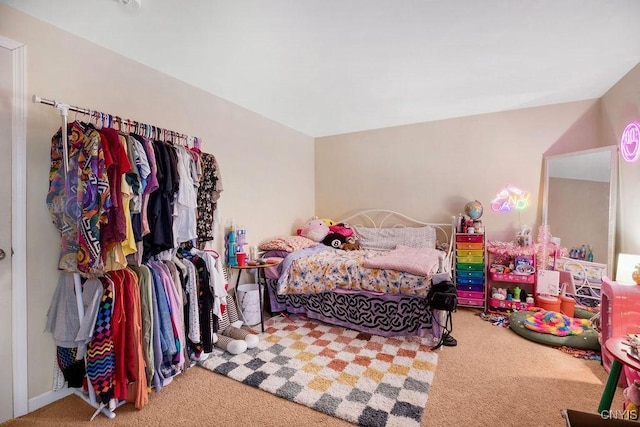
[19, 227]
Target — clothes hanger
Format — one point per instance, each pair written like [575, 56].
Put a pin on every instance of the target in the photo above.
[215, 253]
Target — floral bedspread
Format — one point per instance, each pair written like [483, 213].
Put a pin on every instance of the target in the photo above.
[333, 269]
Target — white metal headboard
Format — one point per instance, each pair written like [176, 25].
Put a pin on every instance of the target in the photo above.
[383, 218]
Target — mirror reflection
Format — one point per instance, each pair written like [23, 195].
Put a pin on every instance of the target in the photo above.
[579, 203]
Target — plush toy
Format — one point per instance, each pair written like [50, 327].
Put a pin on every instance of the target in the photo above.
[500, 293]
[352, 244]
[328, 221]
[338, 234]
[632, 400]
[335, 240]
[229, 336]
[316, 230]
[341, 228]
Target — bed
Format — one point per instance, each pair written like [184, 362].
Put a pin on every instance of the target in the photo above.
[365, 290]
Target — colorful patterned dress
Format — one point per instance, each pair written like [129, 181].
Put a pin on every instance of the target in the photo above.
[78, 199]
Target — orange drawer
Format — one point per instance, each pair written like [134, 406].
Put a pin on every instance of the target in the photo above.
[472, 246]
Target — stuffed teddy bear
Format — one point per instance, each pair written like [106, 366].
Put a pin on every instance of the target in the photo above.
[352, 244]
[632, 400]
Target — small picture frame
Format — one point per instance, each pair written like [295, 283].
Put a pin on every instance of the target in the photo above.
[548, 282]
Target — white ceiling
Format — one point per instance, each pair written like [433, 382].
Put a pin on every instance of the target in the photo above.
[336, 66]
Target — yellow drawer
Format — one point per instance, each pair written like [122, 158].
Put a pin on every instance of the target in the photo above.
[470, 259]
[467, 245]
[469, 252]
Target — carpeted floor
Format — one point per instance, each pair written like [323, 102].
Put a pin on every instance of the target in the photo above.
[368, 380]
[492, 378]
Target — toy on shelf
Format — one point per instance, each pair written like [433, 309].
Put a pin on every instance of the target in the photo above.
[499, 294]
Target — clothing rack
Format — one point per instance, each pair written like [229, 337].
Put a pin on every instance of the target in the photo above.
[107, 120]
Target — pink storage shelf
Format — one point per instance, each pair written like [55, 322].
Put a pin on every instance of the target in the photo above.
[512, 278]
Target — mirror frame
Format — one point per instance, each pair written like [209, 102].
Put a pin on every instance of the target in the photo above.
[613, 196]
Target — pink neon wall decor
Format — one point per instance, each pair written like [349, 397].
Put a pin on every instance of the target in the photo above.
[630, 142]
[509, 199]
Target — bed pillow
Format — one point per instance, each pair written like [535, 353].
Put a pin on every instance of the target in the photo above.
[389, 238]
[287, 243]
[418, 261]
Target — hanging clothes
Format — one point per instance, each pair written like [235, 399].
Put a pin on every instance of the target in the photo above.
[146, 313]
[70, 334]
[114, 231]
[122, 208]
[186, 204]
[100, 354]
[78, 199]
[208, 195]
[160, 209]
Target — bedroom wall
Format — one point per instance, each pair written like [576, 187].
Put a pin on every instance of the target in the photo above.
[620, 106]
[431, 170]
[264, 165]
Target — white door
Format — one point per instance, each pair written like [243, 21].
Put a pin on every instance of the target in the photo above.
[13, 230]
[6, 297]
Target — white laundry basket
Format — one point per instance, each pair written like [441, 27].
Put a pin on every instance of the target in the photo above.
[249, 303]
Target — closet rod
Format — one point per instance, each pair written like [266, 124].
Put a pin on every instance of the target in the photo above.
[66, 108]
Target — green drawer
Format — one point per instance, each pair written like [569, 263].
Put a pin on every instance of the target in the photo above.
[468, 266]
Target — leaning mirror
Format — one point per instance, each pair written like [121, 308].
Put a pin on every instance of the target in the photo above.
[579, 207]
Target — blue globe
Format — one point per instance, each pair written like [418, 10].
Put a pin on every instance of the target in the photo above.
[473, 209]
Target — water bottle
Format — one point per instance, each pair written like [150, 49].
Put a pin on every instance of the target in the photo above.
[231, 246]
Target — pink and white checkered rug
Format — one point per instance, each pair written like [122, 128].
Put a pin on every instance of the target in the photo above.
[364, 379]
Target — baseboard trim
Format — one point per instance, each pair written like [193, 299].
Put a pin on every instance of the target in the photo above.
[47, 398]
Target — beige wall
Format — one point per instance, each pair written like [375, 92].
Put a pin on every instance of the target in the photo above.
[430, 170]
[620, 106]
[265, 166]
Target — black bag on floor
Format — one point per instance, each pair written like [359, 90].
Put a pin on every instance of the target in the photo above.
[443, 296]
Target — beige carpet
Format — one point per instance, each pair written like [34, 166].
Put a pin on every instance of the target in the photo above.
[492, 378]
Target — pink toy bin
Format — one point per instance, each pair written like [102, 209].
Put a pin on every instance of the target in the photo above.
[619, 316]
